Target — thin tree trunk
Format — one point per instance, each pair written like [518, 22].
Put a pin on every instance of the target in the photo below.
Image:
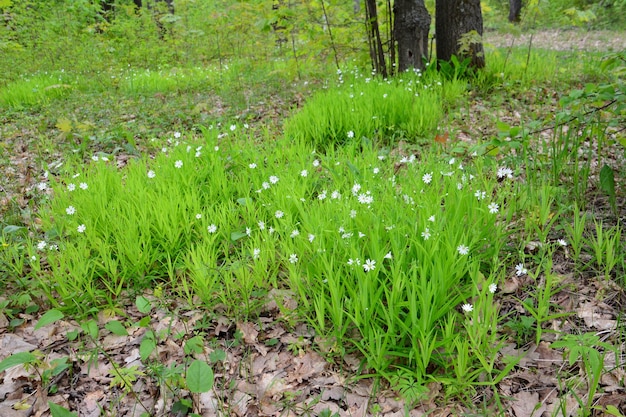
[515, 11]
[376, 46]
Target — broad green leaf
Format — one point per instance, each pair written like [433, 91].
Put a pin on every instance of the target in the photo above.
[64, 125]
[607, 184]
[235, 236]
[11, 229]
[90, 328]
[143, 304]
[116, 328]
[146, 348]
[199, 377]
[58, 411]
[50, 317]
[244, 201]
[194, 345]
[217, 355]
[16, 359]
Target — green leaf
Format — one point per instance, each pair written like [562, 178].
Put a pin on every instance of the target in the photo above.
[244, 201]
[50, 317]
[217, 355]
[143, 304]
[607, 184]
[235, 236]
[58, 411]
[146, 348]
[90, 328]
[16, 359]
[199, 377]
[194, 345]
[116, 328]
[11, 229]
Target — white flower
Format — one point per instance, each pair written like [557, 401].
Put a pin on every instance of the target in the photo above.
[365, 198]
[217, 148]
[248, 231]
[376, 170]
[426, 234]
[352, 214]
[311, 237]
[467, 308]
[505, 172]
[265, 185]
[261, 225]
[336, 195]
[178, 164]
[562, 242]
[177, 135]
[42, 186]
[493, 208]
[427, 178]
[388, 255]
[294, 233]
[350, 134]
[41, 245]
[212, 228]
[198, 216]
[322, 195]
[431, 219]
[273, 179]
[95, 158]
[255, 253]
[83, 185]
[462, 249]
[71, 187]
[271, 230]
[369, 265]
[480, 194]
[198, 154]
[493, 288]
[163, 150]
[304, 173]
[151, 174]
[70, 210]
[81, 228]
[252, 165]
[356, 188]
[279, 214]
[361, 235]
[293, 258]
[520, 270]
[316, 163]
[233, 127]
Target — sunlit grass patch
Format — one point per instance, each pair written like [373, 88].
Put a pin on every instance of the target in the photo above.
[381, 249]
[362, 105]
[167, 80]
[38, 89]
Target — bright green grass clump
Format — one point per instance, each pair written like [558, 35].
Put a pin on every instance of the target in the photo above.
[406, 107]
[35, 90]
[381, 250]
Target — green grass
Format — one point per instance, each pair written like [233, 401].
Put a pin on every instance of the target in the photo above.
[397, 213]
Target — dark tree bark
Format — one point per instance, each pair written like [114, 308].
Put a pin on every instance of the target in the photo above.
[457, 24]
[515, 10]
[377, 54]
[411, 27]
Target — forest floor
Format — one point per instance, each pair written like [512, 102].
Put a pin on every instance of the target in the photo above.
[290, 375]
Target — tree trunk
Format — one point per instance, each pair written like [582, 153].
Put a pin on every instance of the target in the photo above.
[373, 34]
[411, 27]
[515, 10]
[459, 30]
